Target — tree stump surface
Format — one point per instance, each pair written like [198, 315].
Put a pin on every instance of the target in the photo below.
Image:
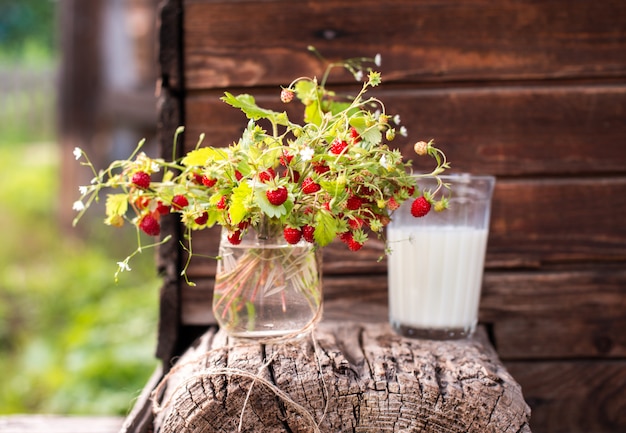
[347, 377]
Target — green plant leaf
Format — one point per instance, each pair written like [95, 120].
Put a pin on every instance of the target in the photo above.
[247, 104]
[202, 156]
[325, 228]
[116, 204]
[240, 202]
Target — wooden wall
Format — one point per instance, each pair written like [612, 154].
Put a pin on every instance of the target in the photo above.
[531, 91]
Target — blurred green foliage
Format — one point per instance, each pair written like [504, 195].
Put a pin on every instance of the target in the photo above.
[27, 25]
[71, 340]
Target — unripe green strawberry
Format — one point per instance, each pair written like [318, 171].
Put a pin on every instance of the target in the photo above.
[277, 196]
[150, 226]
[420, 207]
[292, 235]
[141, 179]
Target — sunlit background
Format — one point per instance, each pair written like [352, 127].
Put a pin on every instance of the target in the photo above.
[71, 340]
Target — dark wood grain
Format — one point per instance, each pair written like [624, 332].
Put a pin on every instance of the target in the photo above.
[557, 314]
[420, 41]
[574, 396]
[506, 131]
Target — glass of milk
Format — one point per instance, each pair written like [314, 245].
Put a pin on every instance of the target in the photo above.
[436, 263]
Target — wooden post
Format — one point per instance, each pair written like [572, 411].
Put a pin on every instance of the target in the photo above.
[349, 377]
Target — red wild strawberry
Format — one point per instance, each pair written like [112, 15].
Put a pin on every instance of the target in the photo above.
[354, 245]
[141, 179]
[267, 175]
[348, 239]
[150, 225]
[309, 186]
[292, 235]
[208, 182]
[197, 178]
[202, 219]
[392, 204]
[354, 134]
[142, 202]
[295, 176]
[162, 209]
[285, 159]
[243, 224]
[286, 95]
[179, 201]
[222, 203]
[308, 233]
[320, 167]
[338, 146]
[354, 202]
[277, 196]
[356, 223]
[420, 207]
[238, 175]
[234, 237]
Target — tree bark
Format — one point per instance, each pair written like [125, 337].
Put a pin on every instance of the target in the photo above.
[347, 377]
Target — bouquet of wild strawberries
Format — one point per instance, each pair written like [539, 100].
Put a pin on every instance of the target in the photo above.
[331, 177]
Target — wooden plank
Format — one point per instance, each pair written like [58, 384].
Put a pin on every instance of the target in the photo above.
[442, 40]
[59, 424]
[559, 314]
[563, 313]
[574, 396]
[505, 131]
[528, 228]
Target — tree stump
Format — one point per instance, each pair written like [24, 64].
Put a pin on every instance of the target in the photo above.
[347, 377]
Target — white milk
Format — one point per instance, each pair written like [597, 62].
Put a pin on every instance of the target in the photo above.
[435, 276]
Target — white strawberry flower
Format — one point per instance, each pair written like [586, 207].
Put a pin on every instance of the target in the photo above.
[384, 162]
[307, 154]
[78, 205]
[77, 153]
[378, 59]
[83, 190]
[123, 266]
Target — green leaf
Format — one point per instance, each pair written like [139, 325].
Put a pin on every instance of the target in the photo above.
[325, 228]
[247, 104]
[240, 202]
[312, 113]
[372, 135]
[117, 204]
[202, 156]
